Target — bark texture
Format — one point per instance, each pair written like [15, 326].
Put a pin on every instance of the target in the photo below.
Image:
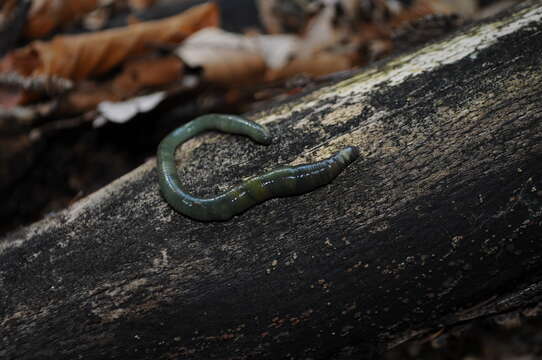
[439, 222]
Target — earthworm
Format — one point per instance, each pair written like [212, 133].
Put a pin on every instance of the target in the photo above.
[281, 182]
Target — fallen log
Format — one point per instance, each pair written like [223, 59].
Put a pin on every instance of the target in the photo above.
[438, 223]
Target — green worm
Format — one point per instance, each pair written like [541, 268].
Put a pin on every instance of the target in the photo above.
[285, 181]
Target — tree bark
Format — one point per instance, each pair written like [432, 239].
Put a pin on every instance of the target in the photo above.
[437, 223]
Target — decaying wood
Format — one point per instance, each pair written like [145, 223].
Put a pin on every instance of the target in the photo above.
[438, 223]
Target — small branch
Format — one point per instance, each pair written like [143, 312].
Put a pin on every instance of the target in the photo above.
[48, 85]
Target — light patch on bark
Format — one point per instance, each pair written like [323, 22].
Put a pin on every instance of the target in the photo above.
[344, 113]
[162, 261]
[24, 314]
[118, 293]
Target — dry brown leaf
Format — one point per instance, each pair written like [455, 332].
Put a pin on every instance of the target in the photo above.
[10, 97]
[96, 20]
[86, 97]
[136, 77]
[464, 8]
[226, 58]
[6, 10]
[146, 73]
[141, 4]
[418, 10]
[46, 15]
[80, 56]
[319, 64]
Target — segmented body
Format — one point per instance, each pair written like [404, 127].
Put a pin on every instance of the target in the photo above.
[286, 181]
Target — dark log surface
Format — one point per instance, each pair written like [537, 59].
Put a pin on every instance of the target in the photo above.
[439, 222]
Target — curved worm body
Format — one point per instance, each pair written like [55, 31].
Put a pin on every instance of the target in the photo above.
[286, 181]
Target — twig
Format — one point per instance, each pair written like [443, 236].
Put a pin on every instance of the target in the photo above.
[46, 129]
[50, 85]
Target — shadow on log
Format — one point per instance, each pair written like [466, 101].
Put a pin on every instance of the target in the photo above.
[437, 223]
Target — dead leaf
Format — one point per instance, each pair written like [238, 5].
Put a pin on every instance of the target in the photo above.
[97, 19]
[277, 50]
[140, 74]
[141, 4]
[226, 58]
[322, 32]
[268, 18]
[279, 16]
[10, 97]
[6, 11]
[136, 77]
[46, 15]
[80, 56]
[463, 8]
[121, 112]
[86, 97]
[319, 64]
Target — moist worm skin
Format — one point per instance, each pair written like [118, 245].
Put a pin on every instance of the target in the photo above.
[286, 181]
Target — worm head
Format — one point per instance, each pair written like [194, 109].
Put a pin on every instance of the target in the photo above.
[349, 154]
[263, 136]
